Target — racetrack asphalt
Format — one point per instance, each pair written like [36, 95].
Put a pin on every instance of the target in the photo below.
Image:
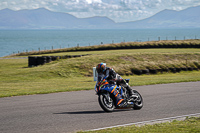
[74, 111]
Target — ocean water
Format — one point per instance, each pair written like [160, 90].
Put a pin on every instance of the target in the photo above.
[14, 41]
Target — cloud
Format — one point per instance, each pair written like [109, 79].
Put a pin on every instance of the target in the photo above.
[118, 10]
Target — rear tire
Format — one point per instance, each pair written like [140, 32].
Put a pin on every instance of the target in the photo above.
[107, 106]
[138, 103]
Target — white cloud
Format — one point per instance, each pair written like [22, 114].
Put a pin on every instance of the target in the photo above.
[55, 4]
[93, 1]
[4, 4]
[118, 10]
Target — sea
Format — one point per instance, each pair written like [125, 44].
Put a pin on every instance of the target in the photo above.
[16, 41]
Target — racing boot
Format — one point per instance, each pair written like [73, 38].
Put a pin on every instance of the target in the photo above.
[129, 90]
[127, 86]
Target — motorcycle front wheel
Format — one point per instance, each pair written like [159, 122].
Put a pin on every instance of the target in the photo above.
[106, 103]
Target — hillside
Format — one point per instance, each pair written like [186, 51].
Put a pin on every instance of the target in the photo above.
[44, 19]
[188, 18]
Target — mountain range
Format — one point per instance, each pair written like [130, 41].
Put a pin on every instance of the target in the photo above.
[42, 18]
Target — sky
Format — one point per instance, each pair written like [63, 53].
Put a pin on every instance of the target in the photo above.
[117, 10]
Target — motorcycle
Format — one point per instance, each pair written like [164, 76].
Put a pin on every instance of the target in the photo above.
[107, 100]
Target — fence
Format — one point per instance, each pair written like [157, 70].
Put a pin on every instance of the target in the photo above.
[112, 42]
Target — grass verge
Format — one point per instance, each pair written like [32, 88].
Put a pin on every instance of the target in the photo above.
[192, 43]
[76, 73]
[189, 125]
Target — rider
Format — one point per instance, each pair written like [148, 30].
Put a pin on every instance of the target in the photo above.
[107, 73]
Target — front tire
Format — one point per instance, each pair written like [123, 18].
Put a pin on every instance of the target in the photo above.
[106, 105]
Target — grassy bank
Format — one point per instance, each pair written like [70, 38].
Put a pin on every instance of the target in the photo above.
[76, 73]
[128, 62]
[189, 125]
[194, 43]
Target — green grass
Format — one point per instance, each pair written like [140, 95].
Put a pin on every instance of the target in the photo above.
[76, 73]
[189, 125]
[125, 61]
[193, 43]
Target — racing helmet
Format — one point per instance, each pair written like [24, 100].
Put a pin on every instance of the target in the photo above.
[101, 67]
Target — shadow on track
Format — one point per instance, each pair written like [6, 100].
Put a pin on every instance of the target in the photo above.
[82, 112]
[88, 112]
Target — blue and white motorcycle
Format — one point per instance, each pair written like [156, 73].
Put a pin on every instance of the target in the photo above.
[107, 100]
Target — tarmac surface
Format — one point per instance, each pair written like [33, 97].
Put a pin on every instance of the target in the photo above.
[74, 111]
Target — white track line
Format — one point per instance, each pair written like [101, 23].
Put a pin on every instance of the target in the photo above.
[151, 121]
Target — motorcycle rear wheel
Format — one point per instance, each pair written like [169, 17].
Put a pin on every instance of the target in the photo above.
[138, 103]
[107, 106]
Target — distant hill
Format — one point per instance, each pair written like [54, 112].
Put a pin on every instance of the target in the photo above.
[44, 19]
[188, 18]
